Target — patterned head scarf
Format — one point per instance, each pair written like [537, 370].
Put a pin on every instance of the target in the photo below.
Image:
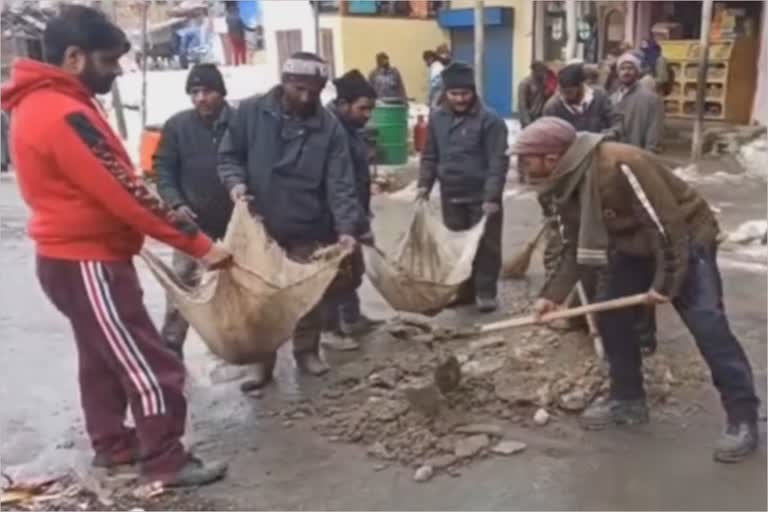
[546, 136]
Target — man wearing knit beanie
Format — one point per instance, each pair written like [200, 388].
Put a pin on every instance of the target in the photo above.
[353, 106]
[185, 167]
[288, 156]
[623, 212]
[466, 152]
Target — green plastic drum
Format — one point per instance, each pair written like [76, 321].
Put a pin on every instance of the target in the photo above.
[390, 118]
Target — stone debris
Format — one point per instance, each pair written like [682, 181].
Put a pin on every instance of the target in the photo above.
[386, 378]
[470, 446]
[573, 401]
[423, 474]
[541, 417]
[375, 401]
[509, 448]
[441, 461]
[488, 342]
[480, 428]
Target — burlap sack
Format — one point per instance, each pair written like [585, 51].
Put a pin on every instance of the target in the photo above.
[424, 272]
[246, 312]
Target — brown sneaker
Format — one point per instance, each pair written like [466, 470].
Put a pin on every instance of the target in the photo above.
[115, 461]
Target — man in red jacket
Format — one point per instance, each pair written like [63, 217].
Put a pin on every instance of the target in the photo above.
[89, 217]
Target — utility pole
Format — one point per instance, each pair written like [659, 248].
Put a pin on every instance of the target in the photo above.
[144, 60]
[316, 19]
[479, 46]
[701, 81]
[570, 29]
[117, 101]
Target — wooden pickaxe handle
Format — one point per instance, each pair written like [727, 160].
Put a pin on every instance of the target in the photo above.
[597, 307]
[597, 341]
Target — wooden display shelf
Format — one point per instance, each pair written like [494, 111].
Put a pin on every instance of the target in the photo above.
[734, 64]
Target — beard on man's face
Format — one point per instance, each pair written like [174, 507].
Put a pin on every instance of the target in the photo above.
[99, 83]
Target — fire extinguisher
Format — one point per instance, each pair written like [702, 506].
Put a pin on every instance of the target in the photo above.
[420, 134]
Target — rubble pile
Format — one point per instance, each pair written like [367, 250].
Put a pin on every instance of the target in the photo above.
[530, 373]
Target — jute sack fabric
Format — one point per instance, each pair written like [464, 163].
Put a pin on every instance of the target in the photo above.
[244, 313]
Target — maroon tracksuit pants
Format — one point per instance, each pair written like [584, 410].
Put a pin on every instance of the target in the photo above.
[122, 362]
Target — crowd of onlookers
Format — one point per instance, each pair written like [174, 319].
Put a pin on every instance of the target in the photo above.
[622, 97]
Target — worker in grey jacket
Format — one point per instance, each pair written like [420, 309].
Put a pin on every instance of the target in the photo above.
[642, 110]
[354, 103]
[185, 166]
[466, 151]
[290, 156]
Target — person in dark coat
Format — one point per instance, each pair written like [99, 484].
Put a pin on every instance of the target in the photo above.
[290, 156]
[353, 106]
[185, 166]
[533, 93]
[386, 79]
[466, 151]
[587, 109]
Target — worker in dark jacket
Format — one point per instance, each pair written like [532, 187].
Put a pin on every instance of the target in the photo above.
[587, 109]
[291, 156]
[466, 151]
[620, 208]
[355, 99]
[534, 91]
[185, 166]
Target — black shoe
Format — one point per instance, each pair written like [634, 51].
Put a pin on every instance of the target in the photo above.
[177, 349]
[361, 327]
[196, 473]
[262, 375]
[606, 412]
[737, 442]
[486, 304]
[648, 343]
[310, 362]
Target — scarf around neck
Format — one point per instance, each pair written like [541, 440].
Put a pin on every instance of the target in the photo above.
[576, 174]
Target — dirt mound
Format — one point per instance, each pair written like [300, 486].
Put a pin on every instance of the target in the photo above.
[504, 380]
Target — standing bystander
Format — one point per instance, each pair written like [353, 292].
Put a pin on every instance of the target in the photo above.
[89, 216]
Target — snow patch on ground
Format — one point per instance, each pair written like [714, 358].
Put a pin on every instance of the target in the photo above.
[749, 233]
[754, 157]
[744, 246]
[408, 193]
[691, 174]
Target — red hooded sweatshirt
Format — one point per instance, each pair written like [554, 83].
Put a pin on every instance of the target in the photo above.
[86, 201]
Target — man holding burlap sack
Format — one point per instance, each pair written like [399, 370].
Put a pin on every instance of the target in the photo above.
[289, 157]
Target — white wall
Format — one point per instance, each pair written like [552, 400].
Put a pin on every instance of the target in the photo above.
[297, 15]
[760, 108]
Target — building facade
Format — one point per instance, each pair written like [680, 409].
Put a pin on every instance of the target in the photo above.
[352, 33]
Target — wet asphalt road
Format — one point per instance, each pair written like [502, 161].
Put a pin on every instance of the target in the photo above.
[662, 466]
